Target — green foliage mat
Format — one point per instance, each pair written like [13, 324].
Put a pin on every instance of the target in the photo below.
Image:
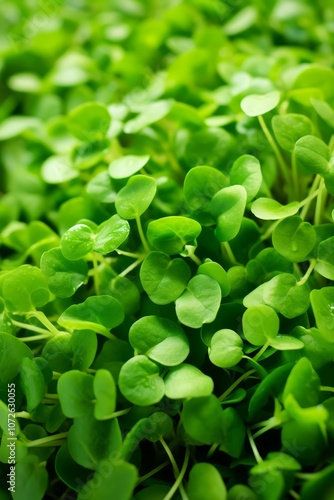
[167, 250]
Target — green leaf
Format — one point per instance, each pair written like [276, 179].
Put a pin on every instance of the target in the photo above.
[323, 308]
[256, 105]
[325, 259]
[89, 121]
[111, 234]
[119, 482]
[294, 239]
[312, 155]
[201, 184]
[246, 172]
[268, 209]
[215, 271]
[127, 165]
[12, 353]
[205, 482]
[69, 471]
[152, 113]
[171, 234]
[91, 442]
[324, 110]
[77, 242]
[101, 188]
[136, 196]
[289, 128]
[200, 302]
[187, 381]
[260, 324]
[31, 479]
[76, 394]
[227, 208]
[286, 343]
[226, 348]
[32, 382]
[24, 289]
[283, 294]
[163, 279]
[83, 344]
[98, 313]
[160, 339]
[276, 461]
[104, 388]
[234, 433]
[140, 382]
[58, 169]
[303, 384]
[239, 491]
[320, 485]
[202, 419]
[63, 276]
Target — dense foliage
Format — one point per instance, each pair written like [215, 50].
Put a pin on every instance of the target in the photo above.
[167, 249]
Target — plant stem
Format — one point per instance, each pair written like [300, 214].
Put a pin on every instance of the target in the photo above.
[23, 414]
[270, 230]
[191, 254]
[36, 337]
[118, 414]
[318, 206]
[261, 351]
[308, 273]
[225, 246]
[212, 450]
[307, 202]
[178, 482]
[235, 384]
[49, 439]
[131, 267]
[170, 456]
[27, 326]
[294, 494]
[326, 388]
[51, 396]
[256, 453]
[295, 175]
[45, 321]
[96, 274]
[142, 235]
[129, 254]
[274, 147]
[152, 472]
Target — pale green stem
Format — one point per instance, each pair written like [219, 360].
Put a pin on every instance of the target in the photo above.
[235, 384]
[45, 321]
[295, 174]
[131, 267]
[277, 152]
[170, 456]
[47, 440]
[23, 414]
[294, 494]
[275, 423]
[51, 396]
[117, 414]
[56, 375]
[225, 246]
[33, 338]
[178, 483]
[318, 206]
[192, 256]
[33, 328]
[142, 235]
[270, 230]
[256, 453]
[307, 202]
[261, 351]
[326, 388]
[96, 274]
[308, 273]
[129, 254]
[152, 472]
[212, 450]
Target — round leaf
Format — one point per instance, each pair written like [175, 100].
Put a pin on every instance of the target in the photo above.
[89, 121]
[226, 348]
[159, 339]
[202, 419]
[200, 302]
[205, 482]
[187, 381]
[256, 105]
[104, 388]
[287, 297]
[294, 239]
[286, 343]
[98, 313]
[323, 308]
[140, 383]
[24, 289]
[201, 184]
[77, 242]
[260, 324]
[163, 279]
[111, 234]
[135, 198]
[312, 155]
[289, 128]
[126, 166]
[12, 353]
[325, 260]
[227, 208]
[215, 271]
[57, 169]
[75, 390]
[63, 276]
[171, 234]
[246, 172]
[268, 209]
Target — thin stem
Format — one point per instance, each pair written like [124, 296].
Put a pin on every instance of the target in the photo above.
[318, 206]
[45, 321]
[179, 479]
[294, 494]
[308, 273]
[27, 326]
[274, 423]
[261, 351]
[117, 414]
[51, 396]
[225, 246]
[23, 414]
[235, 384]
[142, 235]
[96, 274]
[129, 254]
[326, 388]
[304, 475]
[152, 472]
[212, 450]
[307, 202]
[256, 453]
[48, 439]
[191, 254]
[274, 147]
[270, 230]
[56, 375]
[170, 456]
[295, 175]
[131, 267]
[36, 337]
